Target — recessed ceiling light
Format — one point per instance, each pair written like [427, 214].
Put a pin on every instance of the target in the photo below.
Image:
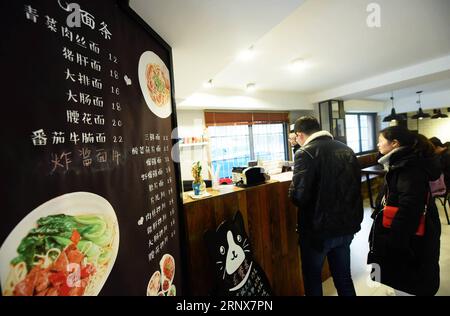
[297, 65]
[251, 87]
[247, 54]
[208, 84]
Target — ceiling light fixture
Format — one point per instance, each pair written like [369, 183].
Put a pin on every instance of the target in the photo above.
[420, 114]
[438, 114]
[297, 65]
[247, 54]
[208, 84]
[393, 116]
[251, 87]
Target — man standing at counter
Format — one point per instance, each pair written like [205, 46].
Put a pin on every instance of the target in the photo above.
[326, 188]
[293, 141]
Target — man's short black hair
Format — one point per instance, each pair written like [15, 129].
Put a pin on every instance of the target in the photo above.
[436, 142]
[307, 124]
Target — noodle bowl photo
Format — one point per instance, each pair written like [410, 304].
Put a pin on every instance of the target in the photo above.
[158, 85]
[65, 247]
[154, 80]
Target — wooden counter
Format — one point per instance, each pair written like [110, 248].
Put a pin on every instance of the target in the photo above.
[270, 219]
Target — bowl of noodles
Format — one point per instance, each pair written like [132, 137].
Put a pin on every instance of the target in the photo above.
[154, 284]
[154, 80]
[64, 247]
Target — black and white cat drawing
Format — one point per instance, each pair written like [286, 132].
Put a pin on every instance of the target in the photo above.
[236, 271]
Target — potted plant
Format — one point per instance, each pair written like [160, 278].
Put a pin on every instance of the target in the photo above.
[198, 185]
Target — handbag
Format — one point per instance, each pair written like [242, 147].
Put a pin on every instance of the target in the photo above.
[437, 187]
[389, 213]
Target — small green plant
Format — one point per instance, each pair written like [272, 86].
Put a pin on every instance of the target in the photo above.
[197, 172]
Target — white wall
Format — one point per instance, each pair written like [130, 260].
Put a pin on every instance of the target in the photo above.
[227, 99]
[191, 124]
[294, 115]
[439, 128]
[363, 106]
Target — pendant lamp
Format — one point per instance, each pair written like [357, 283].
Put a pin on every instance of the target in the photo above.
[393, 116]
[420, 114]
[438, 114]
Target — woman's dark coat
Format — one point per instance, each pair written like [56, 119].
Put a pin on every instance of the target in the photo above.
[405, 261]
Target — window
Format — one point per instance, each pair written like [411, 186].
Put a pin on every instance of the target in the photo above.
[269, 142]
[361, 132]
[235, 145]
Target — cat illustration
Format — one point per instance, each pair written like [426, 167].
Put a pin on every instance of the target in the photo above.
[236, 271]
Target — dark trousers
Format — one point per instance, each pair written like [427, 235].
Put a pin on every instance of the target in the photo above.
[313, 255]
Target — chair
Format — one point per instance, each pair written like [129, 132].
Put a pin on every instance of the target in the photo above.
[444, 200]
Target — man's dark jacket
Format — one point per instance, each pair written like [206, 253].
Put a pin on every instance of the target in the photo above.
[326, 187]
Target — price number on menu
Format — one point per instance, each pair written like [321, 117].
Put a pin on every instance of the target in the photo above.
[113, 58]
[116, 106]
[114, 74]
[115, 90]
[117, 123]
[117, 139]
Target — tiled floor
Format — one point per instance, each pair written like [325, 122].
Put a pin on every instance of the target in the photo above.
[360, 270]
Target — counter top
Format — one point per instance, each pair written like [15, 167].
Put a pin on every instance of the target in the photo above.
[223, 190]
[282, 177]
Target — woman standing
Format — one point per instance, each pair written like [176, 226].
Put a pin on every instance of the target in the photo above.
[400, 258]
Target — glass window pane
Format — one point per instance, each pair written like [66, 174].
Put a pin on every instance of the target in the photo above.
[371, 145]
[230, 147]
[365, 130]
[351, 123]
[269, 142]
[363, 121]
[354, 146]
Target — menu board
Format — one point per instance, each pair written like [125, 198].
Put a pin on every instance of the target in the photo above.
[89, 190]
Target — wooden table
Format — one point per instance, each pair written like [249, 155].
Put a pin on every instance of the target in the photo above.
[372, 172]
[269, 218]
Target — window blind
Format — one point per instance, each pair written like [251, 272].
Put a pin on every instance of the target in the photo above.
[244, 118]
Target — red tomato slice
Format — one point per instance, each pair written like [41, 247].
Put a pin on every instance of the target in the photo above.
[87, 271]
[57, 278]
[75, 237]
[63, 290]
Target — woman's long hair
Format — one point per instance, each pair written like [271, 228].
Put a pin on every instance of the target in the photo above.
[418, 142]
[423, 146]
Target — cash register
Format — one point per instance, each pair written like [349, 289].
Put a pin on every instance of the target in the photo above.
[248, 176]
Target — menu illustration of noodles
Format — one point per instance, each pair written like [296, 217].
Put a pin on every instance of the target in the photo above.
[154, 80]
[65, 247]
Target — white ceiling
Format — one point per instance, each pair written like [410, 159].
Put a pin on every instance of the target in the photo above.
[426, 88]
[206, 35]
[331, 35]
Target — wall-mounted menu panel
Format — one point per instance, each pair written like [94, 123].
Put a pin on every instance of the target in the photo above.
[89, 190]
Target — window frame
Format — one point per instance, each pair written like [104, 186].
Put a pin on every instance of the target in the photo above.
[373, 117]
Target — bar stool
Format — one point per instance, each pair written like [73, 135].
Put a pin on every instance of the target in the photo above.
[444, 199]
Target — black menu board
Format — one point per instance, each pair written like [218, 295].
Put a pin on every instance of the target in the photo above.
[90, 191]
